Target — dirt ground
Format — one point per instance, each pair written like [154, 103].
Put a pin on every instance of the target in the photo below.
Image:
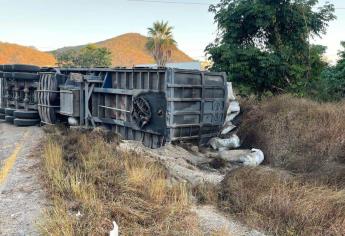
[211, 220]
[21, 196]
[191, 167]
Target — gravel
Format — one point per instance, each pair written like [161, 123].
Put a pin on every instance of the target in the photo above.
[21, 196]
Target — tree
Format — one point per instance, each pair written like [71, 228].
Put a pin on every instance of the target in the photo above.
[264, 44]
[89, 56]
[331, 84]
[67, 58]
[160, 42]
[340, 67]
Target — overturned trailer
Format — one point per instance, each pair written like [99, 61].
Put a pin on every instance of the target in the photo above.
[18, 85]
[154, 106]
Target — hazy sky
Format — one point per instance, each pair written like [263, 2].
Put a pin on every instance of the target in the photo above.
[47, 24]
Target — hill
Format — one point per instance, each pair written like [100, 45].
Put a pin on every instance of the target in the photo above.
[129, 49]
[13, 53]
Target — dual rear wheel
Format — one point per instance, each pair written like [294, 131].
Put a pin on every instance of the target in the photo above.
[2, 113]
[20, 117]
[20, 72]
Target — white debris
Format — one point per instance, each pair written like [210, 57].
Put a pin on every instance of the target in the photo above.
[231, 95]
[232, 111]
[78, 214]
[253, 157]
[225, 144]
[115, 231]
[227, 128]
[72, 121]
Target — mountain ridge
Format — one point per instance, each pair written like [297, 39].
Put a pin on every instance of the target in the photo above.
[11, 53]
[128, 50]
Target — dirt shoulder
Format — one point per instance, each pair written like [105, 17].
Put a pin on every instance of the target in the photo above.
[21, 196]
[185, 166]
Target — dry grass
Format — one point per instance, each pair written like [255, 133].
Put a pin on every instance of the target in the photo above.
[305, 143]
[86, 173]
[221, 232]
[299, 135]
[206, 193]
[283, 204]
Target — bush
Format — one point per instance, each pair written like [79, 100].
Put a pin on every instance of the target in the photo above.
[282, 204]
[330, 86]
[297, 134]
[327, 88]
[89, 56]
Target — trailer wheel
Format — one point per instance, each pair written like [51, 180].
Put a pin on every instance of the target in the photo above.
[26, 114]
[9, 111]
[26, 122]
[2, 116]
[7, 75]
[21, 68]
[9, 119]
[7, 68]
[25, 76]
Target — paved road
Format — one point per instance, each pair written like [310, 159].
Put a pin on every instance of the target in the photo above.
[21, 196]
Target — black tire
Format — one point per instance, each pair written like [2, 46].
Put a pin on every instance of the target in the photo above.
[9, 111]
[25, 76]
[21, 68]
[9, 119]
[26, 114]
[2, 116]
[7, 68]
[2, 110]
[7, 75]
[26, 122]
[1, 67]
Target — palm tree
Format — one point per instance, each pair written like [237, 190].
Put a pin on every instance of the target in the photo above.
[160, 42]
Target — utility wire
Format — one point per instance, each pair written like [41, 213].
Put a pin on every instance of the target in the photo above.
[172, 2]
[192, 3]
